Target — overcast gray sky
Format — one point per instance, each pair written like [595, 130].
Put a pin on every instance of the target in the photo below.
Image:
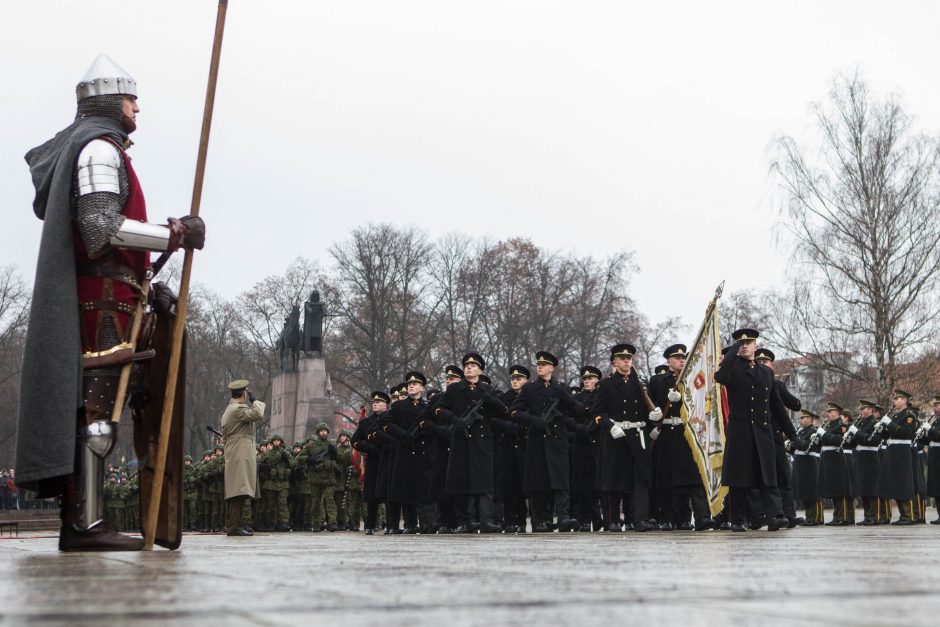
[587, 126]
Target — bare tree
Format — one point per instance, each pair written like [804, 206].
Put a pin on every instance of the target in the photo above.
[864, 219]
[387, 317]
[14, 312]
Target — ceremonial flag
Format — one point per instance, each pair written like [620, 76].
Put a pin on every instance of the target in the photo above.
[702, 406]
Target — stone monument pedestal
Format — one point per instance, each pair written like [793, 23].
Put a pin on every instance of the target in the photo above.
[302, 399]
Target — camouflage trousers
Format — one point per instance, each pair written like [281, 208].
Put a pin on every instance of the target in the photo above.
[322, 507]
[275, 507]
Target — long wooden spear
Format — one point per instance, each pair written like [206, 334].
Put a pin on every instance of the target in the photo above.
[179, 325]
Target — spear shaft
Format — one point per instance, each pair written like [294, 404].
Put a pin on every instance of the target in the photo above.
[179, 324]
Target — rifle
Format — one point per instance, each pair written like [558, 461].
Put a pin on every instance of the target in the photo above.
[212, 429]
[320, 457]
[549, 415]
[471, 415]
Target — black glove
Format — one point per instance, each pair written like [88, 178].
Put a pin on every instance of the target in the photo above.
[251, 397]
[164, 300]
[188, 232]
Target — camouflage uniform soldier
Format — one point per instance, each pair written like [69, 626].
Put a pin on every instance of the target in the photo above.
[304, 496]
[277, 460]
[189, 494]
[203, 500]
[321, 475]
[216, 475]
[344, 451]
[293, 492]
[264, 485]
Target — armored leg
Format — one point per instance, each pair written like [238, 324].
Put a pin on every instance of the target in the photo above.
[83, 527]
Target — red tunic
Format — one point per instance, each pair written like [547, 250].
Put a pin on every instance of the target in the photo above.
[102, 296]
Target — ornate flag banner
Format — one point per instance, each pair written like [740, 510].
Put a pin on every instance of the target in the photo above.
[702, 406]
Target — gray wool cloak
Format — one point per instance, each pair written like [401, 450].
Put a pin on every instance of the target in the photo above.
[51, 377]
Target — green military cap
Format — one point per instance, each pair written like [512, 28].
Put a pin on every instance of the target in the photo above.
[276, 436]
[862, 403]
[348, 434]
[899, 393]
[323, 425]
[187, 458]
[830, 406]
[808, 414]
[239, 384]
[935, 399]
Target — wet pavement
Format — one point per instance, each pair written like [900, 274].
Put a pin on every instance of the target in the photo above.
[805, 576]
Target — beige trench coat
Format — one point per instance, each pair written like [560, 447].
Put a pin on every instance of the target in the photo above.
[238, 430]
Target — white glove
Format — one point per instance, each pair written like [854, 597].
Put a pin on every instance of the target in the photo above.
[885, 421]
[820, 432]
[853, 430]
[616, 432]
[656, 415]
[654, 433]
[673, 396]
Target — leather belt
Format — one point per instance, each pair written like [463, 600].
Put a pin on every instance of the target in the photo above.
[626, 424]
[108, 270]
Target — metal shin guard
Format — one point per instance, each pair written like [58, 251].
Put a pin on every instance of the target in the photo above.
[95, 442]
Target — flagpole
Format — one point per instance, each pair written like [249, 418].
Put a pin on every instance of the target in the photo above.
[708, 310]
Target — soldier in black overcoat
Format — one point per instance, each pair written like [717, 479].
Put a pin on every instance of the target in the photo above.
[931, 436]
[805, 451]
[898, 428]
[440, 454]
[749, 458]
[861, 435]
[622, 412]
[411, 475]
[675, 474]
[545, 408]
[837, 477]
[585, 502]
[510, 458]
[373, 451]
[783, 431]
[470, 464]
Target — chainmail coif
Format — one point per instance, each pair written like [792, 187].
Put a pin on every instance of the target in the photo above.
[107, 106]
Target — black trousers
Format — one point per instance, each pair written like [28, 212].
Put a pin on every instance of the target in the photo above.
[767, 503]
[372, 514]
[514, 512]
[446, 513]
[464, 504]
[392, 515]
[682, 502]
[544, 506]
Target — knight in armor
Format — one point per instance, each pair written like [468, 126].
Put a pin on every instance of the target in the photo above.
[94, 257]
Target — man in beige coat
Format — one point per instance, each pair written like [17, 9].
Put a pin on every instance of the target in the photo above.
[239, 422]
